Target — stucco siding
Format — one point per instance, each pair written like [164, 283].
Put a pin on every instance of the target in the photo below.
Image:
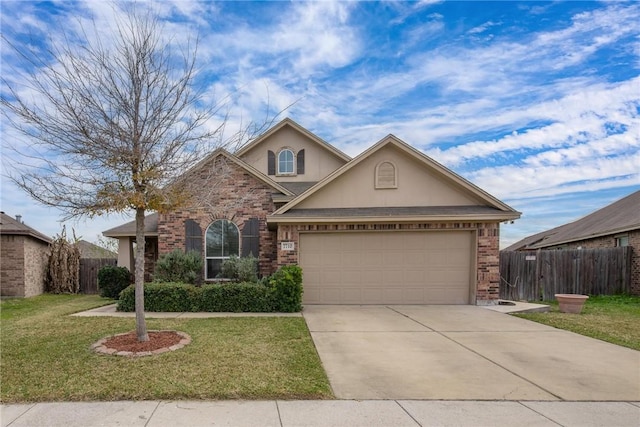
[416, 186]
[319, 162]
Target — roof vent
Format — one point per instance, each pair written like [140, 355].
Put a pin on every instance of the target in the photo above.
[19, 219]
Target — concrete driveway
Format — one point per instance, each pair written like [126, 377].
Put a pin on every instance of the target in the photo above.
[464, 352]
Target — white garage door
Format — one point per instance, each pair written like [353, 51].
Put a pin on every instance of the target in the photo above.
[386, 267]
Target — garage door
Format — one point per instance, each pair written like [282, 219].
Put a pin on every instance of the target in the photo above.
[386, 267]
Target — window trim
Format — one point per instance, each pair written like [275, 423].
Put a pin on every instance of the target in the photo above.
[620, 238]
[293, 162]
[223, 257]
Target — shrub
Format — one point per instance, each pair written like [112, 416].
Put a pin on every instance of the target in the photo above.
[286, 289]
[112, 280]
[177, 266]
[240, 269]
[236, 297]
[172, 297]
[280, 292]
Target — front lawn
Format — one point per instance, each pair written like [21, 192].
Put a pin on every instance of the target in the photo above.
[615, 319]
[46, 356]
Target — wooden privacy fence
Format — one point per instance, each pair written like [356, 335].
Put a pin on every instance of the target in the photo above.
[89, 268]
[539, 275]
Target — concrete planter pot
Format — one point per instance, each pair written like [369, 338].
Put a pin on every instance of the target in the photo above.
[571, 303]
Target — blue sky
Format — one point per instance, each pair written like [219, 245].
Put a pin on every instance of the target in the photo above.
[537, 103]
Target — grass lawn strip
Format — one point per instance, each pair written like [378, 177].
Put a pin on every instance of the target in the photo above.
[615, 319]
[46, 356]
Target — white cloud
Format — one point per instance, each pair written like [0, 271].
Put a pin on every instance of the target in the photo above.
[526, 114]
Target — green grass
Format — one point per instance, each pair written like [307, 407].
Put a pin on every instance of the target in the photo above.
[615, 319]
[46, 356]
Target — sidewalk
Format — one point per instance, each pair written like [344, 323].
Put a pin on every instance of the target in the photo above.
[110, 311]
[370, 413]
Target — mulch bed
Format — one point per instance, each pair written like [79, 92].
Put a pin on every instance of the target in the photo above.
[127, 344]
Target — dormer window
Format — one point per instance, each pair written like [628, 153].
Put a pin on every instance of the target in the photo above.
[285, 162]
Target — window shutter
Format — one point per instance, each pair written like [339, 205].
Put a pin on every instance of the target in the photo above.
[300, 162]
[271, 163]
[193, 236]
[251, 238]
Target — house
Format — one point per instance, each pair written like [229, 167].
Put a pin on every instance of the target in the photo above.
[617, 224]
[24, 253]
[390, 226]
[90, 250]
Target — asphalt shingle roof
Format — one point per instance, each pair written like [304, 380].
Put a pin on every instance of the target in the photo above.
[620, 216]
[129, 229]
[11, 226]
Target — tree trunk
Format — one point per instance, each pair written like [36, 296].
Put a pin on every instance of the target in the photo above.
[141, 324]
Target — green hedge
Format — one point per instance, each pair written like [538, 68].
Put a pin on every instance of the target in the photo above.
[236, 297]
[174, 297]
[112, 280]
[281, 292]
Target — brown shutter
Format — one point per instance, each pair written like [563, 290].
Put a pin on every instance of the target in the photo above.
[300, 162]
[193, 236]
[271, 163]
[251, 238]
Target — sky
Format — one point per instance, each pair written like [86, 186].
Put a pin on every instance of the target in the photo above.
[537, 103]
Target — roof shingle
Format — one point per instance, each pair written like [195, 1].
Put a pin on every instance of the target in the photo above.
[620, 216]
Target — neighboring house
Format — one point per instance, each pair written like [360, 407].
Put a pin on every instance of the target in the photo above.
[617, 224]
[24, 253]
[390, 226]
[89, 250]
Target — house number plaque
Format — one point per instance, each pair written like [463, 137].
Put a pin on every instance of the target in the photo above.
[287, 246]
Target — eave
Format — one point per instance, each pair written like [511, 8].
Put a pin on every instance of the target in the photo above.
[273, 221]
[542, 245]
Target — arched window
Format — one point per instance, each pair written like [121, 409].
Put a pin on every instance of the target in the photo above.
[222, 241]
[386, 175]
[285, 162]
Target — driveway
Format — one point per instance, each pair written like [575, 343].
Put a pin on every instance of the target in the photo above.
[464, 352]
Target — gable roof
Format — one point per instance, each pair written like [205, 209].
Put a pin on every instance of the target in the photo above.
[151, 221]
[619, 217]
[129, 229]
[497, 210]
[288, 122]
[11, 226]
[92, 251]
[237, 161]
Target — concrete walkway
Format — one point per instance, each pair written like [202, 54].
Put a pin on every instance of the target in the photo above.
[369, 413]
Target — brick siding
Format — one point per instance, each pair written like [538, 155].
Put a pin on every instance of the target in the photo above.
[232, 194]
[487, 258]
[23, 262]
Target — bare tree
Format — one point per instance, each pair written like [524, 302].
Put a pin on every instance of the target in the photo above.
[110, 124]
[108, 243]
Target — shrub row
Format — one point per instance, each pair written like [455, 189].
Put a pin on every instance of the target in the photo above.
[281, 292]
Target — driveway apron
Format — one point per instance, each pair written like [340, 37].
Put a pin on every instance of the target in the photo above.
[464, 352]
